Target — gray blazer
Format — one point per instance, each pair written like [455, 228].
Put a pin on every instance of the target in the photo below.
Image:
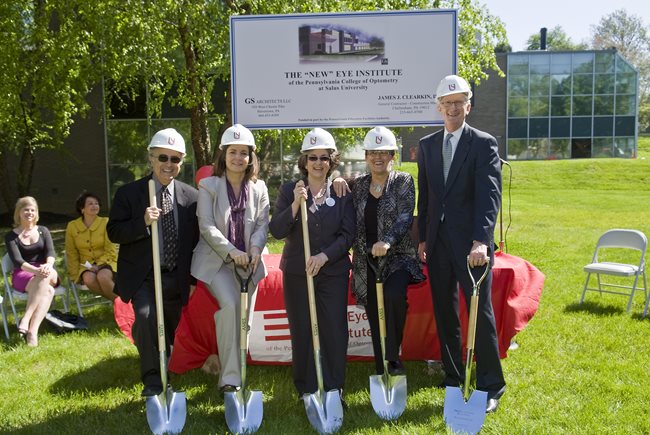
[213, 211]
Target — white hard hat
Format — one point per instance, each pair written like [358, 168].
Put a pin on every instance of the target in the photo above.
[380, 139]
[237, 135]
[318, 139]
[168, 138]
[453, 84]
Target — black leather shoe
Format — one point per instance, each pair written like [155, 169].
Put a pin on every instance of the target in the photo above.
[492, 405]
[151, 390]
[228, 389]
[396, 368]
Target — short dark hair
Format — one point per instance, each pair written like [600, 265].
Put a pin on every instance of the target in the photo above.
[335, 160]
[81, 201]
[252, 170]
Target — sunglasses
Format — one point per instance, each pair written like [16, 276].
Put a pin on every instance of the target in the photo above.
[162, 158]
[317, 158]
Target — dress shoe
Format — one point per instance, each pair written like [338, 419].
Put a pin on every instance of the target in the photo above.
[396, 368]
[31, 339]
[492, 405]
[151, 390]
[228, 388]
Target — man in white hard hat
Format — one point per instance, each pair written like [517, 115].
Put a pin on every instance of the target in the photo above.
[129, 225]
[459, 182]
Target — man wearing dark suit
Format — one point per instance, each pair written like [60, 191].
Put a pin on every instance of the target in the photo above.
[459, 182]
[129, 225]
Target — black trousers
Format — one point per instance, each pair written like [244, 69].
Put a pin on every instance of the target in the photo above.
[444, 274]
[146, 326]
[331, 310]
[395, 306]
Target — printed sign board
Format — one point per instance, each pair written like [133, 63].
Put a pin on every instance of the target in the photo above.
[340, 69]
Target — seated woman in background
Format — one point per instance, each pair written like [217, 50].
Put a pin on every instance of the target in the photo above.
[91, 256]
[31, 251]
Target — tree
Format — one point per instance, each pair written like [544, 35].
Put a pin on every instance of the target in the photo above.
[556, 40]
[45, 75]
[174, 49]
[194, 40]
[631, 37]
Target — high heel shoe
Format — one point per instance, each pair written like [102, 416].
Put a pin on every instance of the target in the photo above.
[23, 334]
[31, 339]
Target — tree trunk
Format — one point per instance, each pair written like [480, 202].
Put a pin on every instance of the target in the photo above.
[7, 193]
[199, 90]
[25, 170]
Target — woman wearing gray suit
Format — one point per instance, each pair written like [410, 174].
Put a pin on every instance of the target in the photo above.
[233, 214]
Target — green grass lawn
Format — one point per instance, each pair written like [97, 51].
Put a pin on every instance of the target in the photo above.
[580, 369]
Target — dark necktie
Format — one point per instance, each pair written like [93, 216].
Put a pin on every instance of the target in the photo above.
[170, 237]
[446, 155]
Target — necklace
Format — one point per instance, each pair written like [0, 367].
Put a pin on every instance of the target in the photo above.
[376, 187]
[320, 194]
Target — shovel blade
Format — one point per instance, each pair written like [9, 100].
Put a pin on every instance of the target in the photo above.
[169, 418]
[388, 395]
[464, 417]
[244, 411]
[325, 414]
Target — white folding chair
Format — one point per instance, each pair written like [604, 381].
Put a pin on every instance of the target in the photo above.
[619, 239]
[80, 288]
[14, 295]
[3, 314]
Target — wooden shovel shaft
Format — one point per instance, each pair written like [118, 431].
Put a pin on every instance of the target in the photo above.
[243, 336]
[312, 297]
[157, 279]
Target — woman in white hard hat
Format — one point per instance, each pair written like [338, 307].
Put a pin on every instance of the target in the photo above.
[331, 233]
[384, 201]
[233, 213]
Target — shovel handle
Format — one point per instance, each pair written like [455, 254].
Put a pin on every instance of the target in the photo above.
[157, 279]
[312, 297]
[373, 263]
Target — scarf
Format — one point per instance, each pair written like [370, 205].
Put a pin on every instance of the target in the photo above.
[237, 211]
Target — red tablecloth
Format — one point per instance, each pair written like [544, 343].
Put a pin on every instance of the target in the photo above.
[516, 290]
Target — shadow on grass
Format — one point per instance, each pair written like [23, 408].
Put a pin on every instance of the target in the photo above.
[106, 375]
[594, 308]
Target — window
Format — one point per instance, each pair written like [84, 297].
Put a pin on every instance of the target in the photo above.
[604, 126]
[560, 106]
[518, 107]
[624, 126]
[561, 127]
[604, 105]
[604, 84]
[538, 127]
[583, 84]
[582, 105]
[582, 126]
[517, 128]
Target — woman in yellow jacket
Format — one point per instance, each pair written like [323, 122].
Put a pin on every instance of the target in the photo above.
[91, 256]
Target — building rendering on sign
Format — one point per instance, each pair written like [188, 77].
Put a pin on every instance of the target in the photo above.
[321, 40]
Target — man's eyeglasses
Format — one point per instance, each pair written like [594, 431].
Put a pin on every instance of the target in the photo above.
[450, 104]
[162, 158]
[317, 158]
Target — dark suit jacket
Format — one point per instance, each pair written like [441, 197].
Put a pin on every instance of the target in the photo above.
[126, 226]
[471, 198]
[331, 230]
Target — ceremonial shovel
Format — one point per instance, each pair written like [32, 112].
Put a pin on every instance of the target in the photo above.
[243, 408]
[166, 412]
[462, 415]
[324, 409]
[387, 392]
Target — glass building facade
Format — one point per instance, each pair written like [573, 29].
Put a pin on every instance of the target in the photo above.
[563, 105]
